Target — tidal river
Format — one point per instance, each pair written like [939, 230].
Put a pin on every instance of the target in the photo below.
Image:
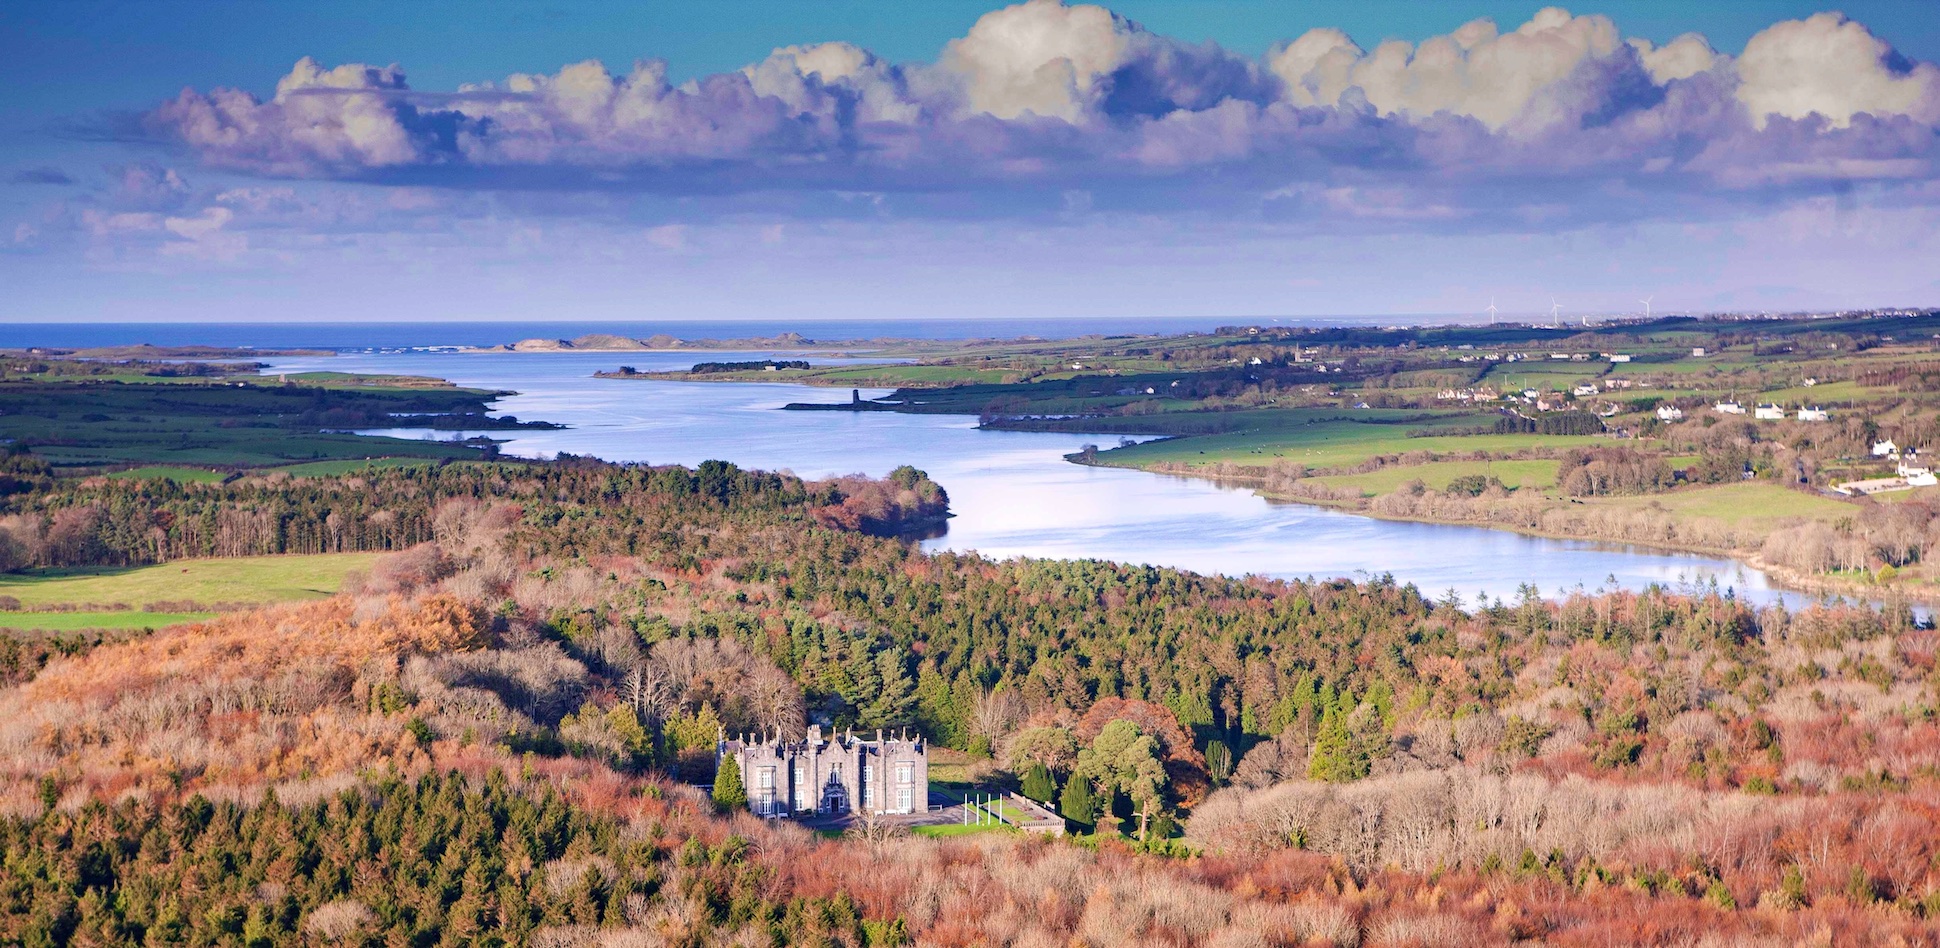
[1012, 492]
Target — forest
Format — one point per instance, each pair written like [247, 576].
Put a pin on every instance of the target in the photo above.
[505, 712]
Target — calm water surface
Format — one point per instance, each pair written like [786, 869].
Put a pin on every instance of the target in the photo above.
[1013, 493]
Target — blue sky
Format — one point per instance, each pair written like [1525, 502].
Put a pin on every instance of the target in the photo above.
[959, 159]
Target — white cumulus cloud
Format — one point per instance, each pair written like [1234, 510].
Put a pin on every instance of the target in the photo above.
[1834, 67]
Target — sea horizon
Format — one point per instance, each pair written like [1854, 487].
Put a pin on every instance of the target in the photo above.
[438, 333]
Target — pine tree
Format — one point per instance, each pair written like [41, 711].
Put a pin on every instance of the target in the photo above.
[1039, 785]
[1078, 804]
[895, 699]
[728, 792]
[1219, 761]
[1330, 747]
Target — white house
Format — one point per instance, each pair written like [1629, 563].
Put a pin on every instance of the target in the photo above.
[1768, 413]
[1885, 449]
[1729, 408]
[1697, 352]
[1584, 391]
[1670, 413]
[1910, 471]
[1620, 357]
[1813, 414]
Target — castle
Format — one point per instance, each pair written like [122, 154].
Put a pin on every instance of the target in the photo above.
[833, 774]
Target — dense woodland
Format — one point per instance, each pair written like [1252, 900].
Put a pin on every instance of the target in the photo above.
[573, 508]
[1252, 761]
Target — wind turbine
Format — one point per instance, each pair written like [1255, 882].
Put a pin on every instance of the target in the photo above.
[1491, 310]
[1555, 313]
[1646, 301]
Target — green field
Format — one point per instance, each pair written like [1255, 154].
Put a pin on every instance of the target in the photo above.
[72, 621]
[1538, 375]
[1325, 444]
[197, 423]
[246, 579]
[333, 468]
[357, 380]
[1752, 504]
[203, 475]
[867, 375]
[180, 448]
[1538, 474]
[946, 830]
[1828, 395]
[186, 475]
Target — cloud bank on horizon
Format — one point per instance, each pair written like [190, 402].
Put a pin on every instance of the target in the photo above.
[1109, 166]
[1045, 95]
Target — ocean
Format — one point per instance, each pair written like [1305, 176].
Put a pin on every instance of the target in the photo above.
[417, 335]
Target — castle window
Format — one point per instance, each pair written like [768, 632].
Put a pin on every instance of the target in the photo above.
[905, 772]
[904, 800]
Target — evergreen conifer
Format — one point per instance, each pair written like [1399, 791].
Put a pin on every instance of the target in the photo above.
[1039, 785]
[729, 793]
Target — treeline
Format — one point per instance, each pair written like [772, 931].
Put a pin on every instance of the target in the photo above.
[1552, 423]
[1597, 472]
[714, 368]
[442, 860]
[583, 507]
[97, 368]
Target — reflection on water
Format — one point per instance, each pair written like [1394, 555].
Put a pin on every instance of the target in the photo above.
[1012, 492]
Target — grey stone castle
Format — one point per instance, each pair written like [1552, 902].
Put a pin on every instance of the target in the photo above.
[840, 773]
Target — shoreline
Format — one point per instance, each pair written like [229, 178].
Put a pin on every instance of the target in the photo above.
[1780, 576]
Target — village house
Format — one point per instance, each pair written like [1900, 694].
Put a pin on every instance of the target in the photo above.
[1885, 449]
[1613, 384]
[1768, 413]
[1729, 408]
[1619, 358]
[1585, 390]
[839, 773]
[1669, 413]
[1814, 413]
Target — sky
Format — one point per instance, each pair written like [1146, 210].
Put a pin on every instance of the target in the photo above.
[249, 161]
